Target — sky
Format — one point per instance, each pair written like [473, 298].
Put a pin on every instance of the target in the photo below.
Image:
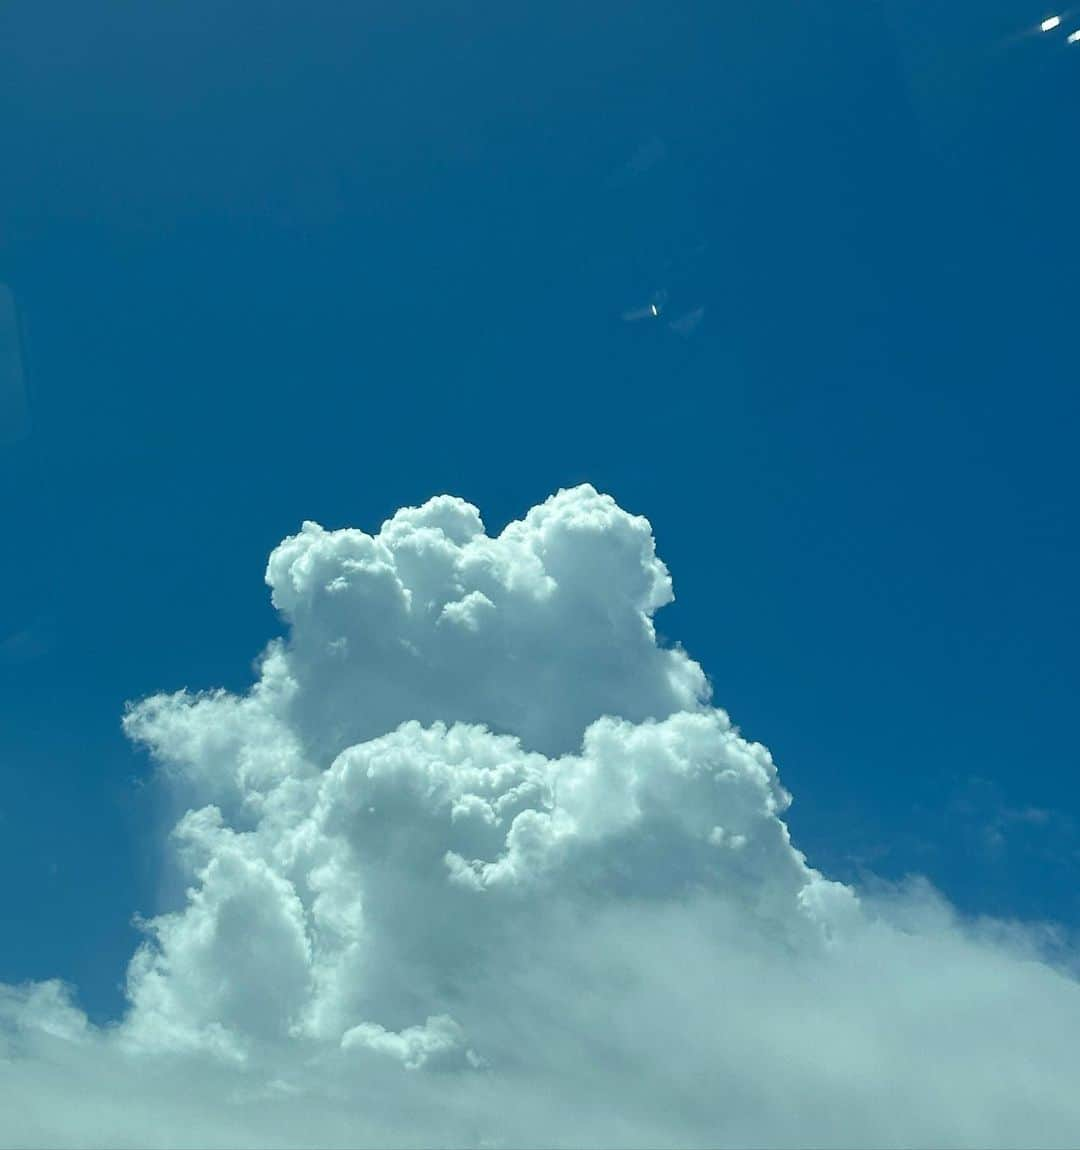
[266, 265]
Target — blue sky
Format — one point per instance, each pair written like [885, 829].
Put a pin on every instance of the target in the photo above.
[275, 264]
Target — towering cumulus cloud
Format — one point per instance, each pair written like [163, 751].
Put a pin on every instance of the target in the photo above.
[477, 862]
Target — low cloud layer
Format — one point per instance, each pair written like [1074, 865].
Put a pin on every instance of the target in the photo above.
[476, 861]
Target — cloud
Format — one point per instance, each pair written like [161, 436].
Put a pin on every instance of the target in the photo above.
[477, 862]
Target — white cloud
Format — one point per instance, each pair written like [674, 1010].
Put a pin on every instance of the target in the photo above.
[476, 862]
[440, 1039]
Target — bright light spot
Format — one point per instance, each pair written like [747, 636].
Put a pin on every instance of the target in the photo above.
[1073, 37]
[1050, 23]
[653, 308]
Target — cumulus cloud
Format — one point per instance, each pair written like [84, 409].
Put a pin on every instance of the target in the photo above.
[477, 862]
